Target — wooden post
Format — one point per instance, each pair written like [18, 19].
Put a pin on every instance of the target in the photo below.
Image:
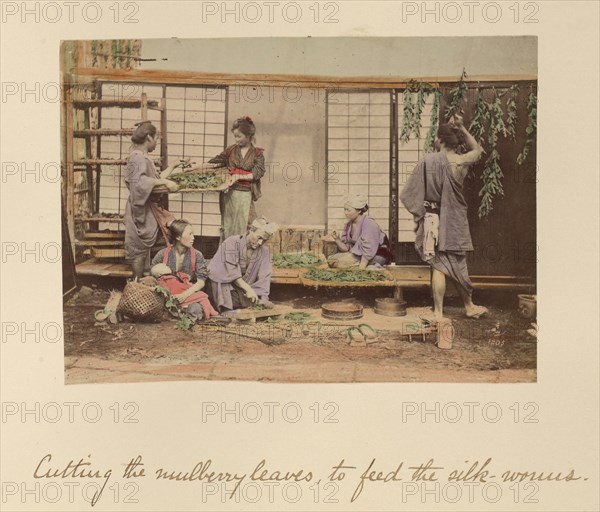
[393, 203]
[163, 130]
[69, 170]
[144, 107]
[98, 151]
[90, 168]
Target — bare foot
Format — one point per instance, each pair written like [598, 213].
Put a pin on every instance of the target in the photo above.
[476, 311]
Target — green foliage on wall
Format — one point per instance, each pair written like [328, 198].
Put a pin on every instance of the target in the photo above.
[531, 126]
[435, 121]
[413, 108]
[493, 118]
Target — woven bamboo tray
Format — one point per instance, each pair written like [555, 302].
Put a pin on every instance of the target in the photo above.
[164, 190]
[299, 269]
[389, 281]
[224, 172]
[286, 272]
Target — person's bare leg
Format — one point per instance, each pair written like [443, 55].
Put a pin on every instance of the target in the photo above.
[438, 286]
[137, 266]
[466, 297]
[471, 309]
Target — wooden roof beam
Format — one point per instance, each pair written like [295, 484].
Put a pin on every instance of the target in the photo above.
[308, 81]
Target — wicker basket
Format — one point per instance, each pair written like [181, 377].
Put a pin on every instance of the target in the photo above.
[140, 302]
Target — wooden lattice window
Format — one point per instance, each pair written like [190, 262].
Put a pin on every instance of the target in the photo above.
[358, 153]
[196, 124]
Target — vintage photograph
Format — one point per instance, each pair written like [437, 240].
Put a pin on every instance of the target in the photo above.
[320, 210]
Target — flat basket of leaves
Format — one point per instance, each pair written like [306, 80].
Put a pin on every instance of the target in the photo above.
[346, 277]
[296, 260]
[204, 181]
[292, 264]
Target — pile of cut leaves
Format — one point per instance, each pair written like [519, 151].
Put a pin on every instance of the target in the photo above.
[346, 276]
[184, 322]
[290, 260]
[198, 180]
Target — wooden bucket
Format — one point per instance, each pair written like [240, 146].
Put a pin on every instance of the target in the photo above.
[390, 307]
[342, 310]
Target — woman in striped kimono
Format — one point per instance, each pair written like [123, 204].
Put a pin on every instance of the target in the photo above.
[246, 164]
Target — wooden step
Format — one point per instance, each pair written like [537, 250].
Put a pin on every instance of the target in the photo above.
[92, 218]
[106, 161]
[102, 132]
[100, 243]
[111, 235]
[131, 103]
[94, 267]
[108, 253]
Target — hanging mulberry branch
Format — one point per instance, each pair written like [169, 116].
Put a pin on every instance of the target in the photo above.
[408, 114]
[492, 172]
[94, 53]
[456, 97]
[113, 52]
[531, 127]
[413, 108]
[480, 119]
[435, 121]
[511, 111]
[492, 184]
[498, 114]
[128, 50]
[424, 92]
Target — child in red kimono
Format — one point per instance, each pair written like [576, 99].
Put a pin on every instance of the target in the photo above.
[180, 268]
[195, 305]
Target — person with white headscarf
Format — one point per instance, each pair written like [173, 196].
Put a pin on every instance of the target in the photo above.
[240, 271]
[362, 242]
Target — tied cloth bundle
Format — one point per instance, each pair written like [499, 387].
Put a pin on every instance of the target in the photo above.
[431, 230]
[356, 201]
[264, 228]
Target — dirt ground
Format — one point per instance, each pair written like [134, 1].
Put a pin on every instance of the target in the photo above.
[495, 348]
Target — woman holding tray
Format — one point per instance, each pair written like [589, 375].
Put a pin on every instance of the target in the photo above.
[144, 217]
[362, 243]
[240, 271]
[246, 164]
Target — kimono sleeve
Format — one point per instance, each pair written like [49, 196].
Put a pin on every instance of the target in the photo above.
[140, 181]
[345, 236]
[220, 159]
[224, 267]
[260, 278]
[413, 192]
[201, 270]
[258, 169]
[368, 242]
[158, 257]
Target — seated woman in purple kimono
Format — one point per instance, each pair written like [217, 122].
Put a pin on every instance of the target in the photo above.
[362, 243]
[240, 271]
